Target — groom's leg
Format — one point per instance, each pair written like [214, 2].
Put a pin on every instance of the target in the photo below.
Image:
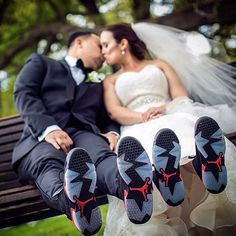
[68, 188]
[44, 167]
[103, 158]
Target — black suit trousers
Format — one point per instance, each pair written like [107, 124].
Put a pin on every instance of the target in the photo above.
[44, 167]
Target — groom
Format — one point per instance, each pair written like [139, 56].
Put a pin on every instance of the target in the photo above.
[66, 148]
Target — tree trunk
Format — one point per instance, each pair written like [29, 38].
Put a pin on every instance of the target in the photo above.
[141, 9]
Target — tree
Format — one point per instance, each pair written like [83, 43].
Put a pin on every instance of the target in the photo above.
[28, 26]
[24, 23]
[196, 14]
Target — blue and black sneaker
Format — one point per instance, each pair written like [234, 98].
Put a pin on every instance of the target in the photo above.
[136, 180]
[209, 162]
[79, 187]
[166, 157]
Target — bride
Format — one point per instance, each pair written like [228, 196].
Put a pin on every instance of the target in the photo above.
[146, 96]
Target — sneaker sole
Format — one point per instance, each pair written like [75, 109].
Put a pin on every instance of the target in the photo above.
[136, 171]
[80, 183]
[210, 149]
[166, 157]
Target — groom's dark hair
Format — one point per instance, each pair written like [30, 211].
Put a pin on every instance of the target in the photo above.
[124, 31]
[77, 34]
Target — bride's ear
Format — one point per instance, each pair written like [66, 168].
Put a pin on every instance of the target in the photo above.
[124, 44]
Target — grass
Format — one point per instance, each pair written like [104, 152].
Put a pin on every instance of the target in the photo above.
[59, 226]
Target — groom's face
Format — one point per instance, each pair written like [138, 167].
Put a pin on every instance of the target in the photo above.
[92, 54]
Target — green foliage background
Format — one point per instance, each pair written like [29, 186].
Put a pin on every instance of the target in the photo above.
[28, 26]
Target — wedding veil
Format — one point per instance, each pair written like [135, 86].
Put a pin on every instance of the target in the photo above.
[207, 80]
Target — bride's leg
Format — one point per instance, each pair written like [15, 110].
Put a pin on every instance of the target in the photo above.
[136, 180]
[209, 162]
[166, 157]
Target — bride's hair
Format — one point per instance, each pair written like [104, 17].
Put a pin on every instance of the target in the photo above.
[124, 31]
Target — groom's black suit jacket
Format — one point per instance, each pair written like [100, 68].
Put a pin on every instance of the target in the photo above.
[46, 94]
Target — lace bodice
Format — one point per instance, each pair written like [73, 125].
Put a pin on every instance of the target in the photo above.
[137, 89]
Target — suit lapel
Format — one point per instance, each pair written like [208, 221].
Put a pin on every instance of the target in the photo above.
[63, 62]
[70, 83]
[80, 90]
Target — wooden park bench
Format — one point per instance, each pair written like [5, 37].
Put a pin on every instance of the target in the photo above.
[20, 204]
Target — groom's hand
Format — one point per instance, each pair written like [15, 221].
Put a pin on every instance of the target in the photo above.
[60, 140]
[112, 138]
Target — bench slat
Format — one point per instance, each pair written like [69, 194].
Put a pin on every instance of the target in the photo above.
[232, 137]
[23, 209]
[5, 156]
[10, 184]
[11, 129]
[28, 218]
[10, 196]
[7, 147]
[10, 121]
[10, 175]
[17, 198]
[16, 190]
[10, 138]
[5, 166]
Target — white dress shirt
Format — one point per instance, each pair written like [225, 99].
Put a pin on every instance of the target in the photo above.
[76, 72]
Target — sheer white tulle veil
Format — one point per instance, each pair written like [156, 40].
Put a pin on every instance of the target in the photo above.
[207, 80]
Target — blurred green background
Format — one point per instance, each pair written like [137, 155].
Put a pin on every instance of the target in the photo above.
[42, 26]
[28, 26]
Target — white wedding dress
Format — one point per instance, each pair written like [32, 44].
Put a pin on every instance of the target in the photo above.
[149, 88]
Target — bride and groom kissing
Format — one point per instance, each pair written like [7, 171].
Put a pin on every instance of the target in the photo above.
[72, 129]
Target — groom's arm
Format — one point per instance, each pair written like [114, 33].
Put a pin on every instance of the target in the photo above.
[107, 124]
[29, 103]
[28, 97]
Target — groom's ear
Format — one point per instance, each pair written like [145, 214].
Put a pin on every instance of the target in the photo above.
[78, 42]
[124, 44]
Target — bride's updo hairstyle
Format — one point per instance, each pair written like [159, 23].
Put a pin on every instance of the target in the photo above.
[124, 31]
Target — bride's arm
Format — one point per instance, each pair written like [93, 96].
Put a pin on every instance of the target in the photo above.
[116, 111]
[176, 88]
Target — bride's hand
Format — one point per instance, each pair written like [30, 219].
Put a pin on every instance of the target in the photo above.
[153, 113]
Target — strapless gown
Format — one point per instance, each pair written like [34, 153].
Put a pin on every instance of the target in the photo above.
[149, 88]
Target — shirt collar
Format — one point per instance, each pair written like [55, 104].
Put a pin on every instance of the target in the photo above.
[71, 61]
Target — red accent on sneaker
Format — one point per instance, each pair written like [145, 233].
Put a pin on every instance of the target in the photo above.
[167, 176]
[143, 189]
[125, 197]
[218, 161]
[203, 167]
[81, 204]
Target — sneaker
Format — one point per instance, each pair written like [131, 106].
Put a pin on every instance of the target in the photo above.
[136, 180]
[79, 187]
[166, 157]
[209, 162]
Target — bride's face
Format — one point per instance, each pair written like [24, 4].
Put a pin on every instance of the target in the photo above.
[111, 50]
